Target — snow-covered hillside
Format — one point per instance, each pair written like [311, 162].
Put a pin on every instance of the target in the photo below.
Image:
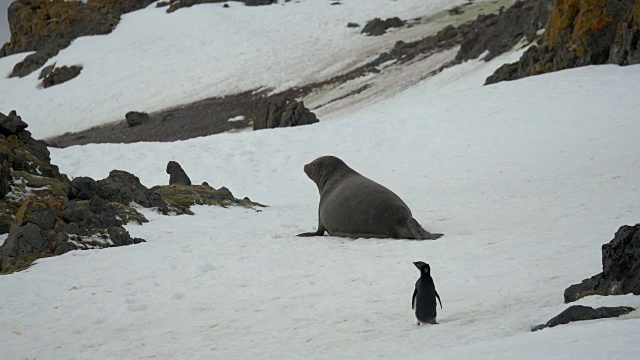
[154, 60]
[526, 180]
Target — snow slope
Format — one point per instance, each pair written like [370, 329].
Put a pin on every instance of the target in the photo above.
[526, 180]
[154, 60]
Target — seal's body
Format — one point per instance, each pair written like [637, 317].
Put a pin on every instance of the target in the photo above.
[352, 205]
[424, 296]
[177, 175]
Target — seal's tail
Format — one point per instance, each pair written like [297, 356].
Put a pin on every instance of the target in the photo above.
[413, 230]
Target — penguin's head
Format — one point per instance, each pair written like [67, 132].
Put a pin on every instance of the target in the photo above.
[423, 267]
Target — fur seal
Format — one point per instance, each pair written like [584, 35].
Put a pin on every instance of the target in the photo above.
[424, 296]
[352, 205]
[176, 174]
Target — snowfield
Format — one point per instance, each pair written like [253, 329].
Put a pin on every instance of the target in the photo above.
[154, 60]
[526, 179]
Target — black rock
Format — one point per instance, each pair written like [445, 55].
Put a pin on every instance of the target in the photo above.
[22, 240]
[24, 136]
[6, 154]
[82, 188]
[581, 313]
[176, 174]
[135, 118]
[620, 268]
[46, 71]
[62, 248]
[223, 194]
[259, 2]
[353, 25]
[61, 75]
[11, 124]
[282, 112]
[45, 219]
[377, 26]
[124, 188]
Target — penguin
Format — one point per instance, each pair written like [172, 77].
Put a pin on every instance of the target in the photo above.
[424, 296]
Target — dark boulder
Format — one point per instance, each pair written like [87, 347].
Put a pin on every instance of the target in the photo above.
[60, 75]
[125, 188]
[135, 118]
[11, 124]
[581, 313]
[188, 3]
[377, 26]
[24, 240]
[176, 174]
[282, 112]
[6, 155]
[620, 268]
[353, 25]
[82, 188]
[222, 194]
[259, 2]
[46, 71]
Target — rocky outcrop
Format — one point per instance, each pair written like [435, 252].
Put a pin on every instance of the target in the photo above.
[47, 228]
[499, 33]
[188, 3]
[580, 33]
[135, 118]
[173, 6]
[282, 112]
[494, 34]
[11, 124]
[581, 313]
[60, 75]
[46, 214]
[620, 268]
[177, 175]
[48, 26]
[377, 26]
[183, 197]
[125, 188]
[35, 209]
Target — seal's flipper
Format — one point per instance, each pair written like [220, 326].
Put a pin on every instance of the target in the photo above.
[319, 232]
[309, 234]
[412, 230]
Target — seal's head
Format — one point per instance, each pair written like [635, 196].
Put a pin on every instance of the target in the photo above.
[172, 167]
[423, 267]
[322, 169]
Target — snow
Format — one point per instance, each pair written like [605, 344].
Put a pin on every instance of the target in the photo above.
[526, 179]
[236, 118]
[154, 60]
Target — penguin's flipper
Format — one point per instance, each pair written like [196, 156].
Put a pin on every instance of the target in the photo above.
[413, 300]
[440, 301]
